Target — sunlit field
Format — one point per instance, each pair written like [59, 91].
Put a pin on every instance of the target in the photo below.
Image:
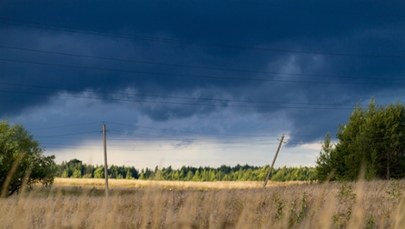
[122, 183]
[80, 203]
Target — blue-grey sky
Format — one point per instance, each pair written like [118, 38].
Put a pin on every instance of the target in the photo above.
[195, 82]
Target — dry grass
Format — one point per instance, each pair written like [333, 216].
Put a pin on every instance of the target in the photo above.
[71, 204]
[122, 183]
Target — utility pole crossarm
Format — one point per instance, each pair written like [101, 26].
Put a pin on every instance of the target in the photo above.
[274, 161]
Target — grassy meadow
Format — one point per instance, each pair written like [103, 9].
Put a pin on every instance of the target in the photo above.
[80, 203]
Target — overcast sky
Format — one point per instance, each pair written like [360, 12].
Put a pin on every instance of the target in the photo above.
[199, 83]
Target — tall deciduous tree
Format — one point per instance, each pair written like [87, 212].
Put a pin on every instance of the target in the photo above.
[21, 160]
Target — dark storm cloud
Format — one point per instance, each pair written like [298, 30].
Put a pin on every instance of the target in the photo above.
[344, 51]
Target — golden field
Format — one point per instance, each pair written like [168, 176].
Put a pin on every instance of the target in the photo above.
[122, 183]
[80, 203]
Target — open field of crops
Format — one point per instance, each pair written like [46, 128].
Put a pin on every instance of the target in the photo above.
[80, 203]
[122, 183]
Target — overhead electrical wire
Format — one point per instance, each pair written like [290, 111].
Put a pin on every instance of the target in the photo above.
[44, 26]
[200, 140]
[81, 124]
[183, 103]
[67, 134]
[188, 132]
[187, 76]
[145, 62]
[257, 137]
[128, 95]
[175, 147]
[177, 142]
[229, 140]
[158, 150]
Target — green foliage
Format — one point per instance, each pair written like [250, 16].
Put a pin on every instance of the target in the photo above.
[372, 143]
[99, 172]
[294, 174]
[228, 173]
[129, 175]
[75, 168]
[326, 160]
[22, 161]
[77, 174]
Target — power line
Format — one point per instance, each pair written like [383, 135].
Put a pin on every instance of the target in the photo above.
[134, 137]
[173, 131]
[187, 76]
[158, 150]
[177, 143]
[81, 124]
[172, 144]
[136, 95]
[228, 138]
[183, 103]
[205, 137]
[216, 145]
[67, 134]
[178, 65]
[182, 42]
[197, 141]
[211, 136]
[330, 10]
[176, 130]
[191, 141]
[257, 139]
[254, 137]
[167, 142]
[160, 73]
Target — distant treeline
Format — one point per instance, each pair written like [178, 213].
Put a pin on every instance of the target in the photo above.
[76, 169]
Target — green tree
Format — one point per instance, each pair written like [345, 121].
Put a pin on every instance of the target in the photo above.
[142, 175]
[88, 171]
[189, 176]
[373, 140]
[65, 174]
[77, 173]
[99, 172]
[212, 175]
[22, 161]
[196, 176]
[157, 174]
[113, 172]
[129, 175]
[325, 163]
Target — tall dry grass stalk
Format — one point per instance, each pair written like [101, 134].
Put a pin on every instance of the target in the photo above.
[376, 204]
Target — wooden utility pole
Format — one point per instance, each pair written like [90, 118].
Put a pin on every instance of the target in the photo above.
[274, 161]
[105, 158]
